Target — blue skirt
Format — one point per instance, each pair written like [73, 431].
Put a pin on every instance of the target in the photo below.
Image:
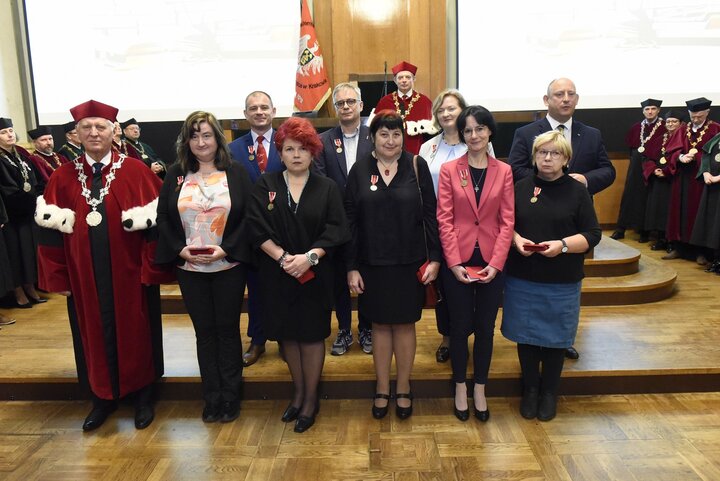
[541, 314]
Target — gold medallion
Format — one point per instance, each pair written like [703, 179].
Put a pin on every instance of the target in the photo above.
[339, 150]
[717, 157]
[663, 160]
[251, 157]
[641, 149]
[271, 206]
[463, 182]
[373, 188]
[26, 186]
[145, 157]
[533, 199]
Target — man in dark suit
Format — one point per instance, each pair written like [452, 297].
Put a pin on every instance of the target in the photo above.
[256, 151]
[589, 164]
[342, 145]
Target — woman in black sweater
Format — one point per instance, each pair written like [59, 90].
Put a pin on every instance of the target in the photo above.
[555, 224]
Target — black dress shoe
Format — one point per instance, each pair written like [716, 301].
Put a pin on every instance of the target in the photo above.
[482, 415]
[660, 245]
[643, 238]
[571, 353]
[400, 412]
[714, 267]
[462, 415]
[529, 403]
[230, 411]
[98, 415]
[304, 423]
[144, 416]
[380, 412]
[547, 407]
[27, 305]
[618, 234]
[290, 414]
[211, 413]
[442, 354]
[39, 300]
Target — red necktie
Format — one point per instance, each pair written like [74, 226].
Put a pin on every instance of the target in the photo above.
[261, 154]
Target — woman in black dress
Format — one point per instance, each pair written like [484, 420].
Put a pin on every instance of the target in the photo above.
[391, 212]
[297, 221]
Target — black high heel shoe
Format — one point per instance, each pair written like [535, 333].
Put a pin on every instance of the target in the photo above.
[39, 300]
[400, 412]
[290, 414]
[303, 423]
[380, 412]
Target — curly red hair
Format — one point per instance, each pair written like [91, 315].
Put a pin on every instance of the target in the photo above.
[300, 130]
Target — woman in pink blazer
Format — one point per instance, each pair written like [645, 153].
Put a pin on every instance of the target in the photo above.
[475, 218]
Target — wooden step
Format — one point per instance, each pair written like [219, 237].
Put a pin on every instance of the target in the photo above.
[612, 258]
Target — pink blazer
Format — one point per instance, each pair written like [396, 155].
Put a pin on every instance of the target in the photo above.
[462, 223]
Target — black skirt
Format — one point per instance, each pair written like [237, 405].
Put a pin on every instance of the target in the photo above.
[393, 294]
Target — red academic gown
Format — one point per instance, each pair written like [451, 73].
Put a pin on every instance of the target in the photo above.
[686, 188]
[119, 347]
[47, 164]
[421, 109]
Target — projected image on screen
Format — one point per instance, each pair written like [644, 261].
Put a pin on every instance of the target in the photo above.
[161, 59]
[617, 52]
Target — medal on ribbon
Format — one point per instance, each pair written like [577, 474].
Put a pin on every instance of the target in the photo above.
[271, 197]
[338, 144]
[251, 152]
[374, 180]
[463, 177]
[641, 149]
[536, 192]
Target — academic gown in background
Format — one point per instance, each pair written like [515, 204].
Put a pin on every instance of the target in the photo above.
[686, 188]
[634, 197]
[118, 333]
[421, 110]
[658, 188]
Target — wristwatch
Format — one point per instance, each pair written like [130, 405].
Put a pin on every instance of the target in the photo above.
[564, 247]
[312, 258]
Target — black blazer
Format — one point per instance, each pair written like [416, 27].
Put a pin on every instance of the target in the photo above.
[332, 164]
[172, 234]
[589, 155]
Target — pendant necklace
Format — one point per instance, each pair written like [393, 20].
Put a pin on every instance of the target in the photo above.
[94, 218]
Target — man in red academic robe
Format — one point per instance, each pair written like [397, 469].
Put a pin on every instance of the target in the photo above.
[686, 188]
[104, 206]
[414, 107]
[644, 139]
[45, 160]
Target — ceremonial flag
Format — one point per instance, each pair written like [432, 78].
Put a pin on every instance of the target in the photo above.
[311, 83]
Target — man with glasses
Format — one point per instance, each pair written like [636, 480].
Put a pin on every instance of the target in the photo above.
[342, 145]
[414, 107]
[589, 163]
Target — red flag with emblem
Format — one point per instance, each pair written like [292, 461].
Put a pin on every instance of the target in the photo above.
[312, 88]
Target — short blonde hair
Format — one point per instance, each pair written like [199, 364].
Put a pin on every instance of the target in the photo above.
[557, 138]
[441, 98]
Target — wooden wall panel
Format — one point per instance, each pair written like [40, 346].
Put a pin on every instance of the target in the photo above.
[357, 36]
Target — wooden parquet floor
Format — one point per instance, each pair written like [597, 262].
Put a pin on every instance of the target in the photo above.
[671, 437]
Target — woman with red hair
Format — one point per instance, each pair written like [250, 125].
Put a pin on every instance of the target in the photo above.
[297, 221]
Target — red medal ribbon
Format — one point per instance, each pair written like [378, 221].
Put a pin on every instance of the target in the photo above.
[251, 149]
[374, 179]
[271, 196]
[536, 191]
[180, 179]
[338, 143]
[464, 174]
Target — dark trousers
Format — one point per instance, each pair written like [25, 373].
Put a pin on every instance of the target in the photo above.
[532, 357]
[473, 308]
[255, 331]
[442, 313]
[214, 305]
[343, 303]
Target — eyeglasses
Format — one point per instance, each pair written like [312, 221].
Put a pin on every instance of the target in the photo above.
[554, 154]
[476, 130]
[349, 102]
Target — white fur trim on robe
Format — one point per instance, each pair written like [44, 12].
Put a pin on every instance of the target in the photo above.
[139, 218]
[53, 217]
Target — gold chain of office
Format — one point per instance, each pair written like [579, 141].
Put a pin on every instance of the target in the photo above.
[413, 99]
